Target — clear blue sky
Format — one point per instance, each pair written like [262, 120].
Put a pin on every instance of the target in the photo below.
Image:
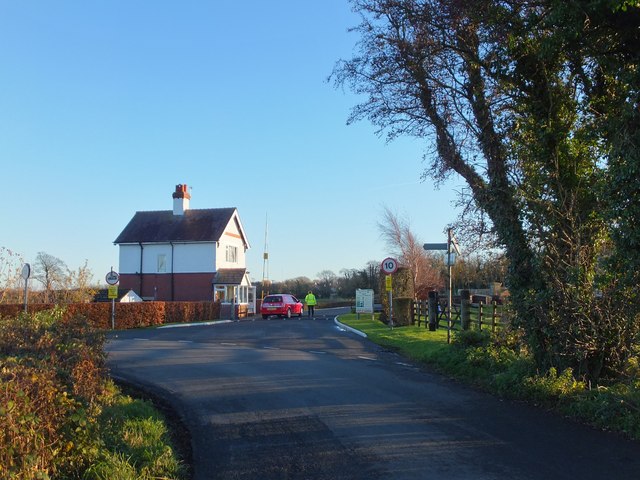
[105, 106]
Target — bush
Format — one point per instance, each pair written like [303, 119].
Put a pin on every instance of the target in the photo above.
[51, 376]
[402, 311]
[127, 315]
[471, 338]
[61, 417]
[552, 387]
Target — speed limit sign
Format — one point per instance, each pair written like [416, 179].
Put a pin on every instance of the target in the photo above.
[389, 265]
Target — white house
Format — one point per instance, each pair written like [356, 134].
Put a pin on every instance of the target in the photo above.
[186, 254]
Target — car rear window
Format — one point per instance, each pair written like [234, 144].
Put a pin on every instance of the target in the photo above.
[273, 299]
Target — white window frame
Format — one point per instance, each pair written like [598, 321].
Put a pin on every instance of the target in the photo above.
[161, 265]
[231, 254]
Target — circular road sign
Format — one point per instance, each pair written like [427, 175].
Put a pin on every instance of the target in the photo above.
[26, 271]
[389, 265]
[112, 277]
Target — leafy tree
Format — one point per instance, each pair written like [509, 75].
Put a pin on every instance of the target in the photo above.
[512, 96]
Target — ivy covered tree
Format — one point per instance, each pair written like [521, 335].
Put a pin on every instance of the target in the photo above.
[535, 105]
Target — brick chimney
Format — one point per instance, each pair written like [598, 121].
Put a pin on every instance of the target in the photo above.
[181, 199]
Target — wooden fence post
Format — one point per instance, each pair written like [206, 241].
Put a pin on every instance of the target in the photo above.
[465, 310]
[493, 317]
[480, 313]
[433, 311]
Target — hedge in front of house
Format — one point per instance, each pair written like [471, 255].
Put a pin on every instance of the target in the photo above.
[182, 312]
[127, 315]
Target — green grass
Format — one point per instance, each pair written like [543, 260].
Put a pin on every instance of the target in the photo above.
[414, 342]
[494, 363]
[136, 444]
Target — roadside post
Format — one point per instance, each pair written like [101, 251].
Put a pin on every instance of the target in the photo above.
[450, 247]
[26, 273]
[389, 266]
[112, 279]
[433, 311]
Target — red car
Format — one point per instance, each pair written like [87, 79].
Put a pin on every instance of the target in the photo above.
[281, 304]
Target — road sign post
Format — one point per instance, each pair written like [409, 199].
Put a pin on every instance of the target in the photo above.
[389, 266]
[26, 273]
[452, 244]
[112, 278]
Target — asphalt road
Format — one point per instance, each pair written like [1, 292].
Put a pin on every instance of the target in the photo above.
[304, 399]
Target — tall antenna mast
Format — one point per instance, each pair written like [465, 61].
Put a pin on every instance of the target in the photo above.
[265, 260]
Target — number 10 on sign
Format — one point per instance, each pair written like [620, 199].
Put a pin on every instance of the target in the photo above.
[389, 265]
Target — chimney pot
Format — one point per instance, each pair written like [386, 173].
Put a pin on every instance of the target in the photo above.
[181, 199]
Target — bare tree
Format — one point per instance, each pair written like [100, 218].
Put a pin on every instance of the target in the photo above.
[326, 283]
[404, 244]
[50, 271]
[10, 280]
[77, 285]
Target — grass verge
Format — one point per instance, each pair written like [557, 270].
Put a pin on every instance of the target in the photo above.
[496, 364]
[136, 443]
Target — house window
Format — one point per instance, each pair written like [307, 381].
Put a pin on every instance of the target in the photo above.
[219, 294]
[243, 294]
[162, 263]
[232, 254]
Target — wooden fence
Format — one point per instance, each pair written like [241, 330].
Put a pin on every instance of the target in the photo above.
[466, 316]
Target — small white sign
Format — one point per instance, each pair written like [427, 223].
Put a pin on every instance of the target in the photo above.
[364, 300]
[450, 259]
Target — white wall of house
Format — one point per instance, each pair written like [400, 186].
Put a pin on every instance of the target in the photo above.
[194, 257]
[129, 259]
[231, 247]
[187, 258]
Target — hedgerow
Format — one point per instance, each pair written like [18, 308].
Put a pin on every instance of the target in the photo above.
[127, 315]
[57, 405]
[52, 378]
